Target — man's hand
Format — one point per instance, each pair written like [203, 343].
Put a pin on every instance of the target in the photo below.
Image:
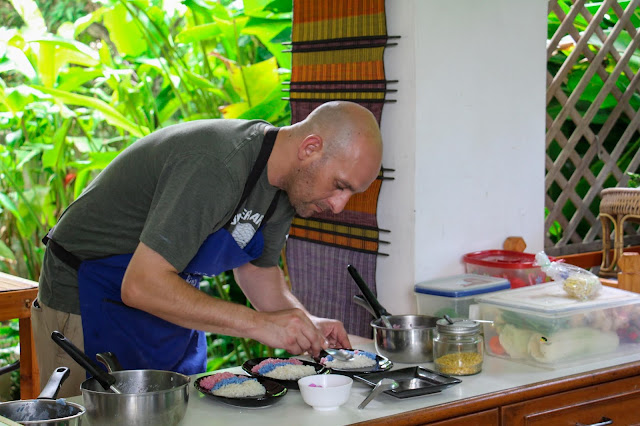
[333, 331]
[291, 330]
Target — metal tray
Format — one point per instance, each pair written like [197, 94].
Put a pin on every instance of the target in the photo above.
[413, 381]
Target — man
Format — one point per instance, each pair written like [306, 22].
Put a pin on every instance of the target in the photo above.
[123, 264]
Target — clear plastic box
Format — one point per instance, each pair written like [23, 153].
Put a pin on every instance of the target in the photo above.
[519, 268]
[541, 325]
[453, 295]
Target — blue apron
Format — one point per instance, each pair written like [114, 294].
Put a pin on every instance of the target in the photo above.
[141, 340]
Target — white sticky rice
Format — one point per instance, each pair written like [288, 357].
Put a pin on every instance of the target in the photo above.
[358, 361]
[232, 385]
[291, 372]
[238, 390]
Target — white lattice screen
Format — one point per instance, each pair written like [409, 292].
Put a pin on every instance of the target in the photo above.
[593, 116]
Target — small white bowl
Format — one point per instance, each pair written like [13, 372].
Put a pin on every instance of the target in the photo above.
[325, 391]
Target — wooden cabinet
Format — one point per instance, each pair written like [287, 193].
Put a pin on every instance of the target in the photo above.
[585, 398]
[618, 401]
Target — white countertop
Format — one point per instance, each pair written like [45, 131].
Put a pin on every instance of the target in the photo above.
[497, 375]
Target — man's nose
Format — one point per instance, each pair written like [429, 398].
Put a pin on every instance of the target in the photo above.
[339, 201]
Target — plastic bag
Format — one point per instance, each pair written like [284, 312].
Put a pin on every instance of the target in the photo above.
[577, 282]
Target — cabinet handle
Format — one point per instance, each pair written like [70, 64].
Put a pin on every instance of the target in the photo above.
[603, 421]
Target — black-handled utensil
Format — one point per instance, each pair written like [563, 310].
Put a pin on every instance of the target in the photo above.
[104, 378]
[51, 389]
[360, 301]
[378, 309]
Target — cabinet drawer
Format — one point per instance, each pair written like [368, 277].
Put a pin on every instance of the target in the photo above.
[618, 400]
[484, 418]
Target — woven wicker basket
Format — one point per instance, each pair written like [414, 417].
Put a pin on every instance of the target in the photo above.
[622, 201]
[617, 206]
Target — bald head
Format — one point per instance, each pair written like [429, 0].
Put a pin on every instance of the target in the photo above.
[341, 124]
[323, 160]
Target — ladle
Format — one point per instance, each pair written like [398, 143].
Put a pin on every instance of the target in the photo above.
[105, 379]
[379, 310]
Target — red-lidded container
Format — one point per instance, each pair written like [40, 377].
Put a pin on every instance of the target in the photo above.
[519, 268]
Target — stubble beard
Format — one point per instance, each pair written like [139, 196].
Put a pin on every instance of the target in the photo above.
[298, 190]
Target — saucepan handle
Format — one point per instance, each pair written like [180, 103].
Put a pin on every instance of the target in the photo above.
[105, 379]
[57, 378]
[378, 309]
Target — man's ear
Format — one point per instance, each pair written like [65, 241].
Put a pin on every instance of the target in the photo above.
[310, 146]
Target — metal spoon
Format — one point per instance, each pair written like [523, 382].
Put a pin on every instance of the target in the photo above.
[450, 321]
[381, 386]
[340, 354]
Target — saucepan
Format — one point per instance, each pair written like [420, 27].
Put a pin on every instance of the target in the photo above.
[128, 397]
[46, 409]
[401, 338]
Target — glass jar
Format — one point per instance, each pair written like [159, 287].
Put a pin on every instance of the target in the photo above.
[458, 347]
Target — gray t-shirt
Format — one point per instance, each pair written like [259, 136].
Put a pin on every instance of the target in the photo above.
[170, 190]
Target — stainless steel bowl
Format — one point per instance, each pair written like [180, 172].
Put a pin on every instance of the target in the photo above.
[47, 409]
[149, 398]
[408, 341]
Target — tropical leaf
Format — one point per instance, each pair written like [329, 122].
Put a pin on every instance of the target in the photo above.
[112, 116]
[7, 204]
[256, 81]
[267, 31]
[52, 158]
[199, 33]
[124, 31]
[17, 98]
[17, 61]
[75, 77]
[30, 14]
[5, 251]
[271, 109]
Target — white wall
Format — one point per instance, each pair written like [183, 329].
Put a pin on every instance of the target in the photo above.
[466, 137]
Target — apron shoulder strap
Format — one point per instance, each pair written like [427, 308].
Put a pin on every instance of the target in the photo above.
[256, 171]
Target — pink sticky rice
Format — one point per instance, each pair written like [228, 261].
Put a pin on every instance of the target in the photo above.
[210, 381]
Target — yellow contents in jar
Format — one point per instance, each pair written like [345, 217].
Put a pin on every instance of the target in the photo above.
[459, 364]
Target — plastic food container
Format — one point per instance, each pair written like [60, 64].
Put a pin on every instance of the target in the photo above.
[519, 268]
[453, 295]
[541, 325]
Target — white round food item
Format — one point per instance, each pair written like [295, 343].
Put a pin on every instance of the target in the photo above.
[571, 343]
[515, 341]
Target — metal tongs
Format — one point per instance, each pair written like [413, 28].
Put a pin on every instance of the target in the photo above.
[383, 385]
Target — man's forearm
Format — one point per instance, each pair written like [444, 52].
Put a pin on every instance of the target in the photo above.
[266, 288]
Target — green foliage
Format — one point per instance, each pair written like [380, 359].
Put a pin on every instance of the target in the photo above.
[9, 353]
[634, 180]
[71, 101]
[81, 81]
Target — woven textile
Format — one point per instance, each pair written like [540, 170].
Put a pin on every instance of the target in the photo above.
[337, 54]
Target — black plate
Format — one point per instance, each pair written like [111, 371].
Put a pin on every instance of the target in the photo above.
[275, 392]
[382, 364]
[414, 381]
[290, 384]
